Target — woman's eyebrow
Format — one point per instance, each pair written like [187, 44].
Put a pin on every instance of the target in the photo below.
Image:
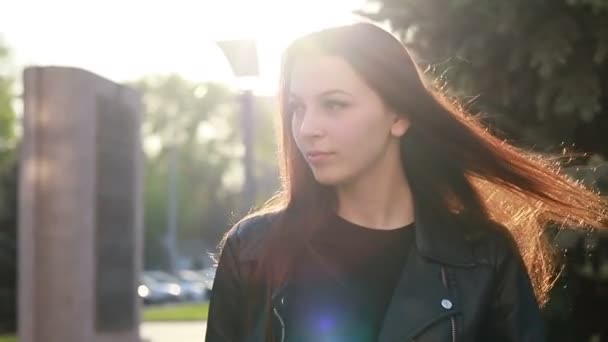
[334, 91]
[295, 96]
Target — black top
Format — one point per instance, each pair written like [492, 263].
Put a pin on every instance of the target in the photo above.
[341, 286]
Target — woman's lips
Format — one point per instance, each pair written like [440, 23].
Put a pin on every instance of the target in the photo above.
[318, 157]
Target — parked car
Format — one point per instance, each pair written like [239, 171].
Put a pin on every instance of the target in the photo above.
[194, 285]
[153, 291]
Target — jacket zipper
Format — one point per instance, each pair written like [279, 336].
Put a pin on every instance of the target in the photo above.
[452, 319]
[276, 313]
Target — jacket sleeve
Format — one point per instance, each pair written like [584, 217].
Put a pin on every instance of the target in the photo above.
[514, 313]
[226, 301]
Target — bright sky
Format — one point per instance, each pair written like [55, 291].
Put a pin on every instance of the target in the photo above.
[126, 39]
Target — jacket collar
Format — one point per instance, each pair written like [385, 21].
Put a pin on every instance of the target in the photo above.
[443, 242]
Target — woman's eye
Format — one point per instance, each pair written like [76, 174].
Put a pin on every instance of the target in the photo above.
[335, 104]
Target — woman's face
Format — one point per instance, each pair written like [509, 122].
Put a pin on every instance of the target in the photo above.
[340, 125]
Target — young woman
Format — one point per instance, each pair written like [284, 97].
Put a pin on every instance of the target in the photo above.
[401, 218]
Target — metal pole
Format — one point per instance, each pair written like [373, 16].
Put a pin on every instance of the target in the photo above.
[172, 209]
[249, 188]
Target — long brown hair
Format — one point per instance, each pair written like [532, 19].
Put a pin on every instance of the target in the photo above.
[452, 162]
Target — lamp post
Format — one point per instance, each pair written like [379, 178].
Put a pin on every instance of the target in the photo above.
[172, 217]
[242, 57]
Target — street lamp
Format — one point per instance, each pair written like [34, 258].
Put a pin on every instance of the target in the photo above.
[242, 56]
[243, 59]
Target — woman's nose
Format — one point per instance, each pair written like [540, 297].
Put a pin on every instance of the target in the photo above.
[311, 125]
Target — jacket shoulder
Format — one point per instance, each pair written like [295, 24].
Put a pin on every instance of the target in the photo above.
[247, 235]
[494, 245]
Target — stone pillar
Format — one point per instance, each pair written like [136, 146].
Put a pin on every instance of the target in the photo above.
[80, 208]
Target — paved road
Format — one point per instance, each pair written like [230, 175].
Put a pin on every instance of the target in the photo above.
[173, 331]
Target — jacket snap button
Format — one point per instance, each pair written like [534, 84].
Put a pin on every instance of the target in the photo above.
[446, 303]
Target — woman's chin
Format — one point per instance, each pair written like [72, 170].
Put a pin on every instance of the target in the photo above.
[328, 179]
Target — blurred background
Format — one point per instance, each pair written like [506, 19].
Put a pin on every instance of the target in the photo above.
[207, 72]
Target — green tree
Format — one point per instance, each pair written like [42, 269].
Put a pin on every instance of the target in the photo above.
[7, 114]
[8, 196]
[200, 124]
[537, 68]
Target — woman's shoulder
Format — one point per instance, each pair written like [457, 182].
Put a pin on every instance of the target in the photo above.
[254, 226]
[249, 233]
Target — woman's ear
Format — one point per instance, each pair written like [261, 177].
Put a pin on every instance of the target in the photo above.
[400, 125]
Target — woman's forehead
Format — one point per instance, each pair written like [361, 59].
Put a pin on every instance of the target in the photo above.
[313, 76]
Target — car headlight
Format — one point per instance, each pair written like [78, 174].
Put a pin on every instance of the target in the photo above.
[143, 291]
[175, 289]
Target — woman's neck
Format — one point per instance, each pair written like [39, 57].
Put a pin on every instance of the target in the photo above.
[380, 200]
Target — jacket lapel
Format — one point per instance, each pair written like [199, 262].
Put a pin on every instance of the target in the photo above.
[419, 300]
[419, 296]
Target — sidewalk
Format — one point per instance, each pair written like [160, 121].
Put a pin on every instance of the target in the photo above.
[173, 331]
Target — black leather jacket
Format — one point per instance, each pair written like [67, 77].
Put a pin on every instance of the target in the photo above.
[451, 289]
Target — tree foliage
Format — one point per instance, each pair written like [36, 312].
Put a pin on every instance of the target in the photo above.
[537, 68]
[8, 196]
[200, 125]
